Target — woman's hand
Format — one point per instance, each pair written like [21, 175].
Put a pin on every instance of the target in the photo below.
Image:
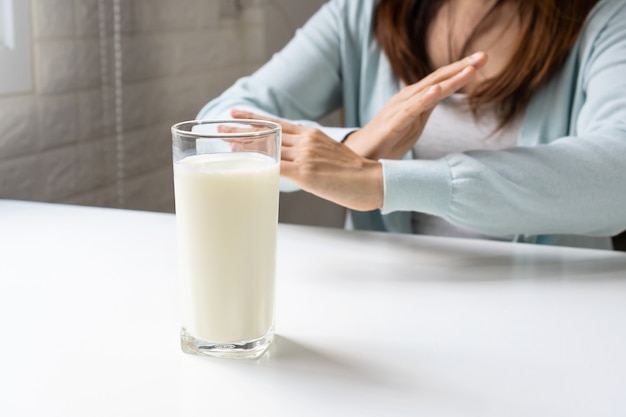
[348, 174]
[396, 128]
[324, 167]
[331, 170]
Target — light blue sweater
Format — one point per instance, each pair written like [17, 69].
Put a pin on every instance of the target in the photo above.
[564, 184]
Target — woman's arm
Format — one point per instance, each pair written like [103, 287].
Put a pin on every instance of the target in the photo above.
[349, 175]
[300, 83]
[575, 184]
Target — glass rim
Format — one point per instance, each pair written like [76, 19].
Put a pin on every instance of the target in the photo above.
[272, 128]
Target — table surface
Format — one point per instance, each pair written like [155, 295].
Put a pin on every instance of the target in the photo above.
[368, 324]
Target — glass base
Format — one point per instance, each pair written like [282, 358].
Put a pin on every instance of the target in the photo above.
[249, 349]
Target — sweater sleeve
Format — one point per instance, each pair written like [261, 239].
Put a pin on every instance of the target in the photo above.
[574, 184]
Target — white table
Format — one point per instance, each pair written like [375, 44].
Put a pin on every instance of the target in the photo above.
[368, 324]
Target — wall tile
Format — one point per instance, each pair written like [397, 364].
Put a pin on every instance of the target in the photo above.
[138, 58]
[208, 13]
[128, 16]
[58, 122]
[253, 44]
[102, 197]
[196, 52]
[230, 46]
[53, 18]
[252, 14]
[202, 94]
[185, 98]
[154, 191]
[21, 178]
[88, 65]
[18, 126]
[87, 17]
[128, 22]
[67, 65]
[201, 89]
[147, 150]
[56, 66]
[148, 56]
[163, 15]
[94, 114]
[59, 168]
[96, 164]
[139, 102]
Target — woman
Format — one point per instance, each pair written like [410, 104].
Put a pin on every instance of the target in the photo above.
[524, 139]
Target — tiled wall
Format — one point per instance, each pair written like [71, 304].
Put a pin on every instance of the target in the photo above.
[93, 133]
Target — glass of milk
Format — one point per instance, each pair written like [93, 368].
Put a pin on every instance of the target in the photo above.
[226, 180]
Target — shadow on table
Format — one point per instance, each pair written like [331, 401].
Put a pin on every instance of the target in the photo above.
[311, 363]
[292, 368]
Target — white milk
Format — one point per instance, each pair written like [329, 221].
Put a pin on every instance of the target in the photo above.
[226, 214]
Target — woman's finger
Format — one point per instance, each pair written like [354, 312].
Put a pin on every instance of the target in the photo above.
[441, 90]
[475, 60]
[286, 126]
[288, 140]
[447, 73]
[425, 100]
[244, 114]
[288, 153]
[233, 129]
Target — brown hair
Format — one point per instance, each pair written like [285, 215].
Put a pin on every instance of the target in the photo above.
[549, 29]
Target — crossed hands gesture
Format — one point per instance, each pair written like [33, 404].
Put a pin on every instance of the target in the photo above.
[349, 173]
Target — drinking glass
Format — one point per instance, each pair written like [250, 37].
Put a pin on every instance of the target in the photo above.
[226, 183]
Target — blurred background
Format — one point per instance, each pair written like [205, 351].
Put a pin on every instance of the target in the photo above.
[90, 88]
